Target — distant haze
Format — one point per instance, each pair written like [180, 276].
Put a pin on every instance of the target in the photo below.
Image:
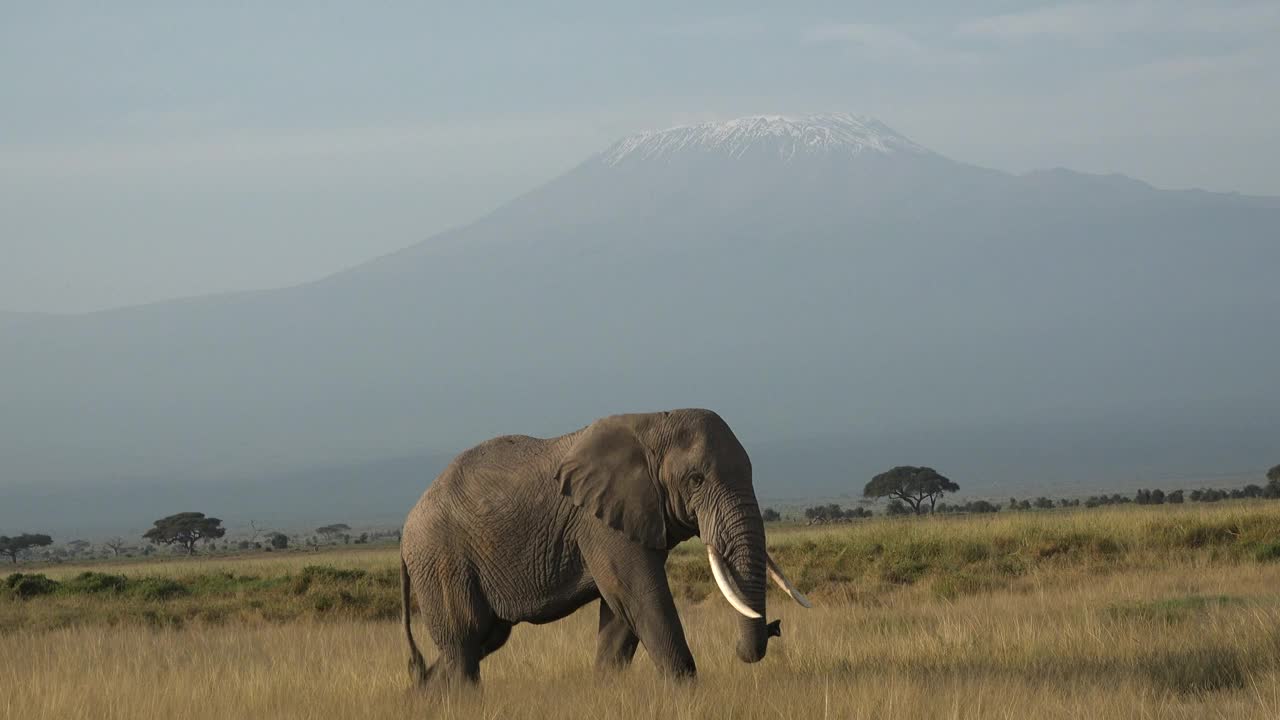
[845, 296]
[151, 151]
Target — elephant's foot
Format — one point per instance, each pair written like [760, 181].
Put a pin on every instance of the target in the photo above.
[679, 669]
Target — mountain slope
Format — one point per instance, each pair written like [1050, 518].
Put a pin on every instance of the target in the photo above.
[840, 287]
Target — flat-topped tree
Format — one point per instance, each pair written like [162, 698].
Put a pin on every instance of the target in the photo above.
[329, 532]
[185, 529]
[912, 485]
[14, 546]
[1274, 474]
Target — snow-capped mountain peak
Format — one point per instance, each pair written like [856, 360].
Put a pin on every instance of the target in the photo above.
[780, 135]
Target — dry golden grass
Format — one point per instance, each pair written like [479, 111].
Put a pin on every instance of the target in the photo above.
[1165, 626]
[374, 557]
[1116, 648]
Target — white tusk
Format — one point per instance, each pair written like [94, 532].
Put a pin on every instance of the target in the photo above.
[775, 572]
[723, 579]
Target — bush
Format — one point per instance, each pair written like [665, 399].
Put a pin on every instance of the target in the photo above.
[158, 588]
[94, 582]
[29, 586]
[1272, 490]
[973, 506]
[1268, 553]
[832, 512]
[1208, 495]
[769, 515]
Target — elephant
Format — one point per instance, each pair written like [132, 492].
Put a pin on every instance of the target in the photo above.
[523, 529]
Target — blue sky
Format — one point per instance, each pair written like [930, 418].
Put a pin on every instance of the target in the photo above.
[155, 150]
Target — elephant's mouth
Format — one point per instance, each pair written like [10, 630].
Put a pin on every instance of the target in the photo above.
[755, 633]
[728, 588]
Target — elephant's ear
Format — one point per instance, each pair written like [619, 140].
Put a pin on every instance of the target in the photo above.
[607, 473]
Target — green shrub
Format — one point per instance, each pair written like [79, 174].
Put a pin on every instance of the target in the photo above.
[324, 601]
[1268, 552]
[162, 619]
[28, 586]
[159, 588]
[92, 583]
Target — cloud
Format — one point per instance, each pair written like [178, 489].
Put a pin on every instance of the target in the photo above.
[1092, 20]
[885, 43]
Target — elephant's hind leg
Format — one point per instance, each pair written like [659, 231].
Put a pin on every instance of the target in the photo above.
[462, 625]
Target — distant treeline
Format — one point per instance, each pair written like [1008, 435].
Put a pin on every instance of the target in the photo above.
[833, 512]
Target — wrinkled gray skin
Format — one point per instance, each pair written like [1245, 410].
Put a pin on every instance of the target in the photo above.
[523, 529]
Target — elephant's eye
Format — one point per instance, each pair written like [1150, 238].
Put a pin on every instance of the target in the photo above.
[695, 480]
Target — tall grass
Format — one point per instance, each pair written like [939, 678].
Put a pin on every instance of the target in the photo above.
[1108, 613]
[1066, 653]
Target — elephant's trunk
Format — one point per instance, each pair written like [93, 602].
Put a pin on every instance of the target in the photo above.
[737, 536]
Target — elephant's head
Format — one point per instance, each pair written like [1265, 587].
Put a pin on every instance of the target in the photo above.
[661, 478]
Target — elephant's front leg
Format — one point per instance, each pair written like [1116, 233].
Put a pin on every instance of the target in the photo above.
[616, 642]
[632, 581]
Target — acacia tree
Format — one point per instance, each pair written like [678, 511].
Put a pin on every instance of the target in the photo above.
[116, 545]
[912, 485]
[185, 529]
[330, 532]
[1274, 474]
[79, 546]
[14, 546]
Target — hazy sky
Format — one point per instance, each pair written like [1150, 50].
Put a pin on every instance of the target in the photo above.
[149, 151]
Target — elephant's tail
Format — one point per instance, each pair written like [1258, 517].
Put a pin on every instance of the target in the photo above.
[417, 666]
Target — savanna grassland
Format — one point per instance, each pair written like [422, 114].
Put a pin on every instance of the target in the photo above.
[1130, 612]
